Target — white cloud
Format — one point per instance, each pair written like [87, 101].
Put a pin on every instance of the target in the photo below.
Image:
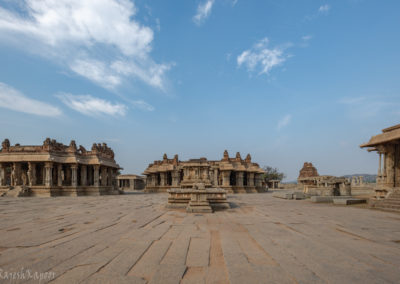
[92, 106]
[95, 71]
[153, 75]
[89, 33]
[324, 8]
[306, 37]
[142, 105]
[203, 12]
[260, 55]
[12, 99]
[284, 121]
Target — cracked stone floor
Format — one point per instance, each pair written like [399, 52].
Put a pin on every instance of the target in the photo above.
[134, 239]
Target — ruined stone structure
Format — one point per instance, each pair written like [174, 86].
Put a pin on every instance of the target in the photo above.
[314, 184]
[131, 182]
[232, 174]
[273, 183]
[357, 181]
[54, 169]
[308, 170]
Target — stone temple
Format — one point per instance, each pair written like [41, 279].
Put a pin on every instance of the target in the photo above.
[387, 145]
[54, 169]
[314, 184]
[235, 175]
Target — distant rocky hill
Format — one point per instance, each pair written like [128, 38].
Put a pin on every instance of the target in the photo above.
[367, 177]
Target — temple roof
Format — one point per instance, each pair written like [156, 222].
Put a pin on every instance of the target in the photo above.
[388, 134]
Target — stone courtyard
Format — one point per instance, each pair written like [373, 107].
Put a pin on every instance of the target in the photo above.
[134, 239]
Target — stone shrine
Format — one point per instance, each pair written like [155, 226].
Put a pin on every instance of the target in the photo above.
[54, 169]
[235, 175]
[313, 184]
[387, 145]
[198, 199]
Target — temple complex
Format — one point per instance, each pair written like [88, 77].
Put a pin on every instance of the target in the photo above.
[55, 169]
[235, 175]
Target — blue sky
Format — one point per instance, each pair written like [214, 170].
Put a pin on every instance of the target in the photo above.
[286, 81]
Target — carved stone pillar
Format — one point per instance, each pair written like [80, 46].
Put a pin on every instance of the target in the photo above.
[31, 173]
[226, 178]
[175, 178]
[380, 165]
[239, 179]
[48, 180]
[110, 177]
[74, 175]
[83, 175]
[59, 175]
[103, 173]
[2, 175]
[16, 174]
[114, 179]
[250, 179]
[96, 173]
[389, 166]
[163, 179]
[258, 180]
[215, 177]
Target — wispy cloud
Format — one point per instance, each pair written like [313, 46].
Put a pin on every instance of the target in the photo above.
[306, 37]
[142, 105]
[88, 105]
[363, 107]
[153, 75]
[12, 99]
[324, 8]
[203, 12]
[284, 121]
[262, 57]
[85, 36]
[96, 71]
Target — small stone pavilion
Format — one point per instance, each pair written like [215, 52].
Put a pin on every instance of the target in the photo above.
[54, 169]
[235, 175]
[387, 145]
[131, 182]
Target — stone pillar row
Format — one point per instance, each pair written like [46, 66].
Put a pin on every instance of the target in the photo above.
[51, 170]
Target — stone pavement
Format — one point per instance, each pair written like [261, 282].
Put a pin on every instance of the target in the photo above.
[134, 239]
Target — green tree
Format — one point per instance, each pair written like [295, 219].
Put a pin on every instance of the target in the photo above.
[272, 173]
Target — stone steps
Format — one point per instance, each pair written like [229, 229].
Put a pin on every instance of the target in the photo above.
[391, 203]
[388, 207]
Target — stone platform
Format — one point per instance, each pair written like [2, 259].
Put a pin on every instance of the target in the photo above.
[133, 239]
[198, 201]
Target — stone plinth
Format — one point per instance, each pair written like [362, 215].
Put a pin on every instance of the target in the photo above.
[191, 198]
[198, 202]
